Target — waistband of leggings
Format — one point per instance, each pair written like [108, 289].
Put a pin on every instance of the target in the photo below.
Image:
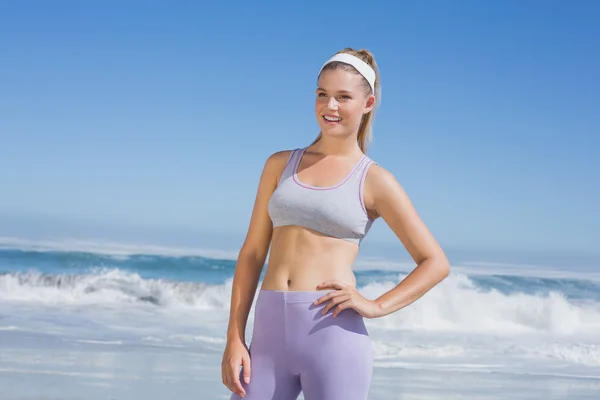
[293, 296]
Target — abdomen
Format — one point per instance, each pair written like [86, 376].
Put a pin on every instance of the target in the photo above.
[300, 259]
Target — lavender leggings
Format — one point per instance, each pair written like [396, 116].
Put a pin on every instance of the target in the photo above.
[295, 348]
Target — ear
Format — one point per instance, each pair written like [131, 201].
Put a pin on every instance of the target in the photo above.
[370, 104]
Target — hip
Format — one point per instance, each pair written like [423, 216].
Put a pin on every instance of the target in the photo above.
[292, 316]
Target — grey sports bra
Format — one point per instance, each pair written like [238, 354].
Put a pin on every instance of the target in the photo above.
[336, 211]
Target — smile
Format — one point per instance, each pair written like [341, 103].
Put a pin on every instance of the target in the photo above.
[332, 119]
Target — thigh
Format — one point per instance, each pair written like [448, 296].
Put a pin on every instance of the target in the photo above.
[339, 362]
[270, 377]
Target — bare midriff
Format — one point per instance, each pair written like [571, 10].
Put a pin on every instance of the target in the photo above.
[300, 259]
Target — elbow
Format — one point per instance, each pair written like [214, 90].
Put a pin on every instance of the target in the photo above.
[445, 268]
[252, 256]
[442, 266]
[438, 268]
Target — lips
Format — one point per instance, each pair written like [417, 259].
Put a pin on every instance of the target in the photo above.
[331, 118]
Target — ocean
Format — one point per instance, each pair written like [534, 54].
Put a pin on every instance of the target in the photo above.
[83, 320]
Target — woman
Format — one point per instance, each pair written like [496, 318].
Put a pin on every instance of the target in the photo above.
[313, 208]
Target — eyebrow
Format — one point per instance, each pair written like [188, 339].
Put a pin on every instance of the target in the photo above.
[339, 91]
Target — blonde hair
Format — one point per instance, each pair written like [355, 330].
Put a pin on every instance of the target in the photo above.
[365, 130]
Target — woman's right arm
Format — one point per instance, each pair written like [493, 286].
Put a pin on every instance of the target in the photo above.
[250, 262]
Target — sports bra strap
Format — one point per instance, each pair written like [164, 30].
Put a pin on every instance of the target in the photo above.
[288, 170]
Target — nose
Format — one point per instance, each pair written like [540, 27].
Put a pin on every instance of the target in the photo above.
[332, 103]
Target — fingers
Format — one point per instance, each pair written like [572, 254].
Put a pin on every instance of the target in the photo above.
[246, 368]
[332, 284]
[335, 301]
[231, 377]
[234, 372]
[328, 296]
[341, 307]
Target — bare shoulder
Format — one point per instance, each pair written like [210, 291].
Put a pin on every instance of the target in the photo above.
[380, 179]
[388, 199]
[381, 188]
[279, 158]
[276, 162]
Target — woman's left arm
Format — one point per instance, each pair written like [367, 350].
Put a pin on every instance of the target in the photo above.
[389, 200]
[385, 197]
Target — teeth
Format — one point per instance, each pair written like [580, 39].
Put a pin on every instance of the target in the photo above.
[332, 119]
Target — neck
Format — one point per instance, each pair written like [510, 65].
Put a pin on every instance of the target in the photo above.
[337, 146]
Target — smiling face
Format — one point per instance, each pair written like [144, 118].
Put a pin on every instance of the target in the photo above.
[341, 102]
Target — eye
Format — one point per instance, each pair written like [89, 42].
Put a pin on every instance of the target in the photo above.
[321, 94]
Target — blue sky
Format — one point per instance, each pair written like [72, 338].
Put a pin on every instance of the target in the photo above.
[141, 119]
